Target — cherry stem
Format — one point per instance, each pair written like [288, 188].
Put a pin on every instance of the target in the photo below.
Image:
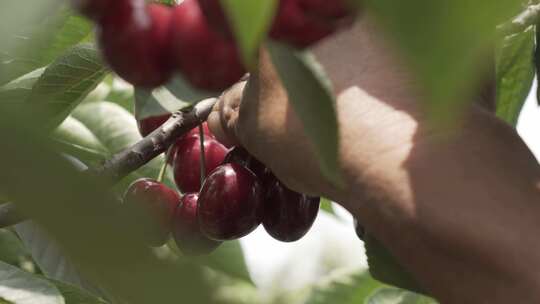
[163, 169]
[203, 156]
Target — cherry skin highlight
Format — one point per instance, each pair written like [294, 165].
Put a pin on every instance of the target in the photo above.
[152, 205]
[206, 59]
[288, 215]
[230, 203]
[135, 44]
[150, 124]
[186, 229]
[187, 161]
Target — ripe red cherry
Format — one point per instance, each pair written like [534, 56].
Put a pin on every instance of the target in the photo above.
[288, 215]
[360, 231]
[192, 133]
[241, 156]
[187, 161]
[205, 58]
[149, 124]
[186, 229]
[230, 203]
[152, 205]
[135, 43]
[298, 27]
[216, 17]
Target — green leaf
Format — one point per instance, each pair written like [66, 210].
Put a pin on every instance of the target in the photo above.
[49, 257]
[227, 259]
[345, 288]
[445, 42]
[20, 287]
[385, 268]
[65, 83]
[251, 21]
[12, 250]
[326, 205]
[40, 40]
[185, 92]
[313, 101]
[116, 129]
[515, 73]
[398, 296]
[74, 295]
[156, 102]
[16, 91]
[74, 133]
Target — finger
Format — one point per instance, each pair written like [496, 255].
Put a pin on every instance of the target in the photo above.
[224, 116]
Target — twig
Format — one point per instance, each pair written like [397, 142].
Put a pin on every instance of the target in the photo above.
[131, 159]
[530, 16]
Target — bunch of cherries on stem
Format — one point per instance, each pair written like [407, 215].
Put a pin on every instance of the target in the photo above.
[146, 43]
[237, 195]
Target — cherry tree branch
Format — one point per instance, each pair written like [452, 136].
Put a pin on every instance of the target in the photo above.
[131, 159]
[530, 16]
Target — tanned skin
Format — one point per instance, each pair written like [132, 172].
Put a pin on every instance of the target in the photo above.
[460, 210]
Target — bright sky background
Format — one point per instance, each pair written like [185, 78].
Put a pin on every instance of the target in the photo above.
[332, 240]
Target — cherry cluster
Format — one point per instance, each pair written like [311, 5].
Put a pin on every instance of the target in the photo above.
[146, 43]
[237, 195]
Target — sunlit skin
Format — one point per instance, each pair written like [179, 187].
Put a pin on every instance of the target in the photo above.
[186, 229]
[459, 212]
[231, 203]
[152, 205]
[134, 41]
[187, 161]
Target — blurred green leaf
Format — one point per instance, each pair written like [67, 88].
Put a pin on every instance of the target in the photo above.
[116, 129]
[326, 205]
[185, 92]
[12, 251]
[15, 92]
[515, 73]
[385, 268]
[398, 296]
[227, 259]
[37, 42]
[88, 224]
[311, 96]
[343, 288]
[251, 21]
[446, 46]
[74, 295]
[51, 260]
[66, 82]
[20, 287]
[156, 102]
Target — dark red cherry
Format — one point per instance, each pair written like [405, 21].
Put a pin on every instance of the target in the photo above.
[204, 57]
[360, 231]
[297, 27]
[149, 124]
[241, 156]
[136, 43]
[152, 205]
[288, 215]
[187, 161]
[192, 133]
[230, 203]
[186, 229]
[216, 17]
